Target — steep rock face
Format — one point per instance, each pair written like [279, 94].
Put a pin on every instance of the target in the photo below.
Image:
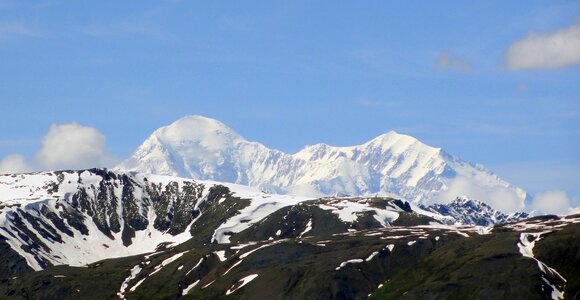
[472, 212]
[391, 164]
[77, 217]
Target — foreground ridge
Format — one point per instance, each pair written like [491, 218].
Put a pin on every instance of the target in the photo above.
[142, 236]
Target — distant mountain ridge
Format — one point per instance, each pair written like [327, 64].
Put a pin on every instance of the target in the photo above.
[472, 212]
[390, 164]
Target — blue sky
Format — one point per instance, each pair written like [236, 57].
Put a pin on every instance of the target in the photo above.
[293, 73]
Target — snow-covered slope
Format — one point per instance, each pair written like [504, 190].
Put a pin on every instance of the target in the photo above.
[392, 163]
[80, 217]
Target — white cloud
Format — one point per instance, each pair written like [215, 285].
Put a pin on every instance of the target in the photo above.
[448, 61]
[545, 51]
[66, 146]
[73, 146]
[552, 202]
[14, 163]
[507, 200]
[500, 198]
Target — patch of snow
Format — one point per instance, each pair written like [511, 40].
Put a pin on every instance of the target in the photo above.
[203, 287]
[241, 246]
[372, 256]
[134, 272]
[221, 255]
[258, 209]
[241, 283]
[258, 248]
[308, 228]
[195, 267]
[167, 262]
[347, 209]
[189, 287]
[133, 288]
[233, 266]
[351, 261]
[526, 247]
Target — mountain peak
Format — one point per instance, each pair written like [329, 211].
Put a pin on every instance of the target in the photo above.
[195, 128]
[392, 163]
[468, 202]
[399, 143]
[391, 133]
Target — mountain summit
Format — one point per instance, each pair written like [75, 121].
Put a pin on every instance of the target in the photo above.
[390, 164]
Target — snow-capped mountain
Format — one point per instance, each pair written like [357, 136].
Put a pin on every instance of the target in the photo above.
[467, 211]
[390, 164]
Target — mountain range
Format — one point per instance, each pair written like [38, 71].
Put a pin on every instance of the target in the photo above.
[391, 164]
[120, 214]
[198, 212]
[109, 234]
